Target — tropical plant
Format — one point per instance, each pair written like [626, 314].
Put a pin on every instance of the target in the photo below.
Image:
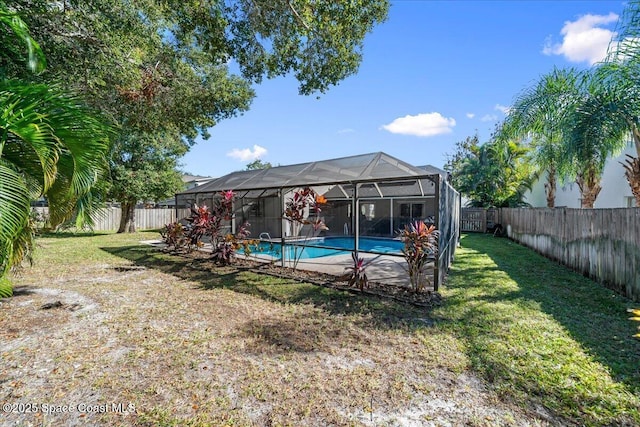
[203, 223]
[574, 121]
[304, 208]
[356, 273]
[50, 145]
[420, 248]
[19, 31]
[591, 129]
[224, 252]
[210, 224]
[174, 236]
[494, 174]
[614, 113]
[538, 115]
[592, 136]
[6, 287]
[620, 81]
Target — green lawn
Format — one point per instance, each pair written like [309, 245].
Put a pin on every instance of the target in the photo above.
[550, 346]
[539, 332]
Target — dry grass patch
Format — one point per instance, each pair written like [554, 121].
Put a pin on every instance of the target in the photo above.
[186, 343]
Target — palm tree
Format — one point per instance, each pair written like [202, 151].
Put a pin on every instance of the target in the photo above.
[539, 115]
[595, 130]
[494, 174]
[50, 145]
[619, 81]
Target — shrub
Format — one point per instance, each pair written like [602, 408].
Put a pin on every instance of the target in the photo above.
[173, 235]
[205, 222]
[224, 251]
[303, 208]
[356, 274]
[420, 247]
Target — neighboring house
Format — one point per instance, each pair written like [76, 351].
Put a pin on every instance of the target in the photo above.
[615, 192]
[190, 182]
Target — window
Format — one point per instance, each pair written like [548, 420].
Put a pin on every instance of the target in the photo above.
[411, 210]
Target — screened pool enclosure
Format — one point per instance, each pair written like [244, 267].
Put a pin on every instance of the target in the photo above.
[369, 199]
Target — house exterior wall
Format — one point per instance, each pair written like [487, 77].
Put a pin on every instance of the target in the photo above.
[615, 192]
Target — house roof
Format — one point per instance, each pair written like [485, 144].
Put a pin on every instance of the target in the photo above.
[195, 178]
[364, 167]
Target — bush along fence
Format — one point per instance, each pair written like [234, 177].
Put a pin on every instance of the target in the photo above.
[603, 244]
[108, 219]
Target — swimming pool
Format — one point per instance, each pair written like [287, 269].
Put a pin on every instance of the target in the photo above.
[328, 246]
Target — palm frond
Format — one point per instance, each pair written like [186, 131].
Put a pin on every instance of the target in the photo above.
[14, 213]
[6, 288]
[29, 138]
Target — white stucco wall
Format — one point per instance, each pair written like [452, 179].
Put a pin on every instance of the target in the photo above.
[615, 188]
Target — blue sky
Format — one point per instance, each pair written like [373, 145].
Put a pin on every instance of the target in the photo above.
[434, 73]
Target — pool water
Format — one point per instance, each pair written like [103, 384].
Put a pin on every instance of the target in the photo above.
[310, 249]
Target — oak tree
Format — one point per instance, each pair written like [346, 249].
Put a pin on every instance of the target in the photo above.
[160, 69]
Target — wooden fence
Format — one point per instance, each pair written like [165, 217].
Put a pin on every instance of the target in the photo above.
[603, 244]
[478, 219]
[108, 219]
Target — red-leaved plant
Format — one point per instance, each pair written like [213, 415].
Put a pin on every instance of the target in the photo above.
[174, 236]
[356, 274]
[224, 252]
[298, 211]
[420, 247]
[204, 222]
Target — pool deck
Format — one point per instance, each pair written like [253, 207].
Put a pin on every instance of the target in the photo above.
[384, 268]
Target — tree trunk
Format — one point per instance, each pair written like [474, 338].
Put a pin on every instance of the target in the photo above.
[632, 172]
[589, 184]
[128, 218]
[550, 187]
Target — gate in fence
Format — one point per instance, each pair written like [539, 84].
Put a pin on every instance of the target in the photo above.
[479, 220]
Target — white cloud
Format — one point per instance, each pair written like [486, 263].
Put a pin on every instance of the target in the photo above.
[502, 108]
[247, 154]
[470, 115]
[583, 39]
[424, 124]
[489, 118]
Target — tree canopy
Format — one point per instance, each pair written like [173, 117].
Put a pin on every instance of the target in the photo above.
[159, 70]
[539, 114]
[494, 174]
[258, 164]
[51, 145]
